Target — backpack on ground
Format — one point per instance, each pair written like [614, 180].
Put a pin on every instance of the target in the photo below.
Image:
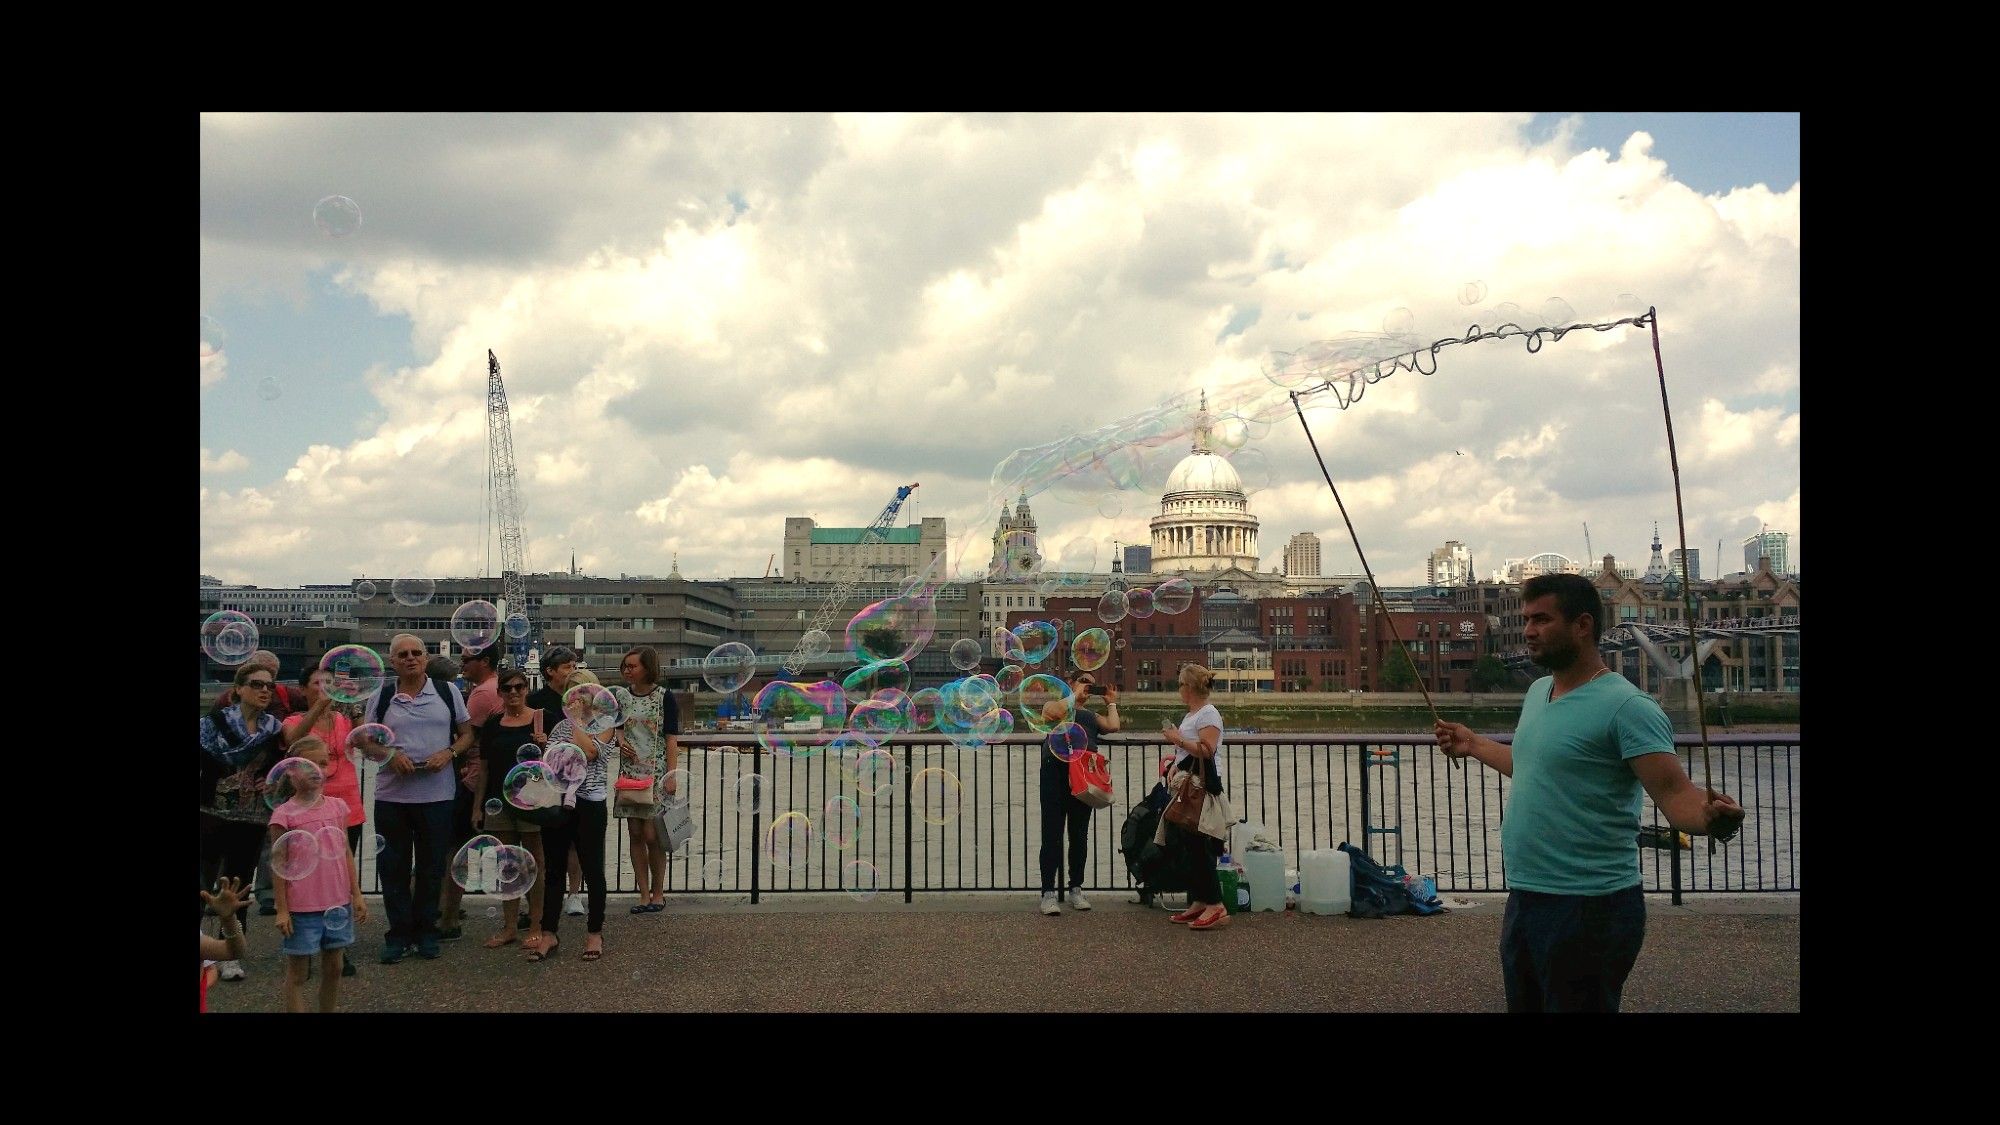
[1378, 891]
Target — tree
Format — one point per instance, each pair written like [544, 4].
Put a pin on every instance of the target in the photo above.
[1489, 673]
[1397, 675]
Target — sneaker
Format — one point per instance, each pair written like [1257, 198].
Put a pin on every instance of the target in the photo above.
[231, 970]
[453, 934]
[1076, 899]
[427, 948]
[347, 968]
[573, 905]
[392, 952]
[1049, 903]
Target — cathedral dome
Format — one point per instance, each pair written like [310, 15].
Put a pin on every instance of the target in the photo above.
[1202, 471]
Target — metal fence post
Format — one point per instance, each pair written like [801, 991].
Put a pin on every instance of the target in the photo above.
[909, 884]
[756, 824]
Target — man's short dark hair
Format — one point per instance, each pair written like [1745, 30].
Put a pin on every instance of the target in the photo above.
[557, 655]
[490, 656]
[1574, 594]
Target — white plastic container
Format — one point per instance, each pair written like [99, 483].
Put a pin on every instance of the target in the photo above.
[1266, 873]
[1325, 885]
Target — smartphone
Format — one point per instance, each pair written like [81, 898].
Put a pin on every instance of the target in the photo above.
[1095, 689]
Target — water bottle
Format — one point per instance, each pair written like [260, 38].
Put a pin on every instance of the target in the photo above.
[1226, 876]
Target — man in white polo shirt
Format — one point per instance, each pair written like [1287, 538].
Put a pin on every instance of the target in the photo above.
[413, 797]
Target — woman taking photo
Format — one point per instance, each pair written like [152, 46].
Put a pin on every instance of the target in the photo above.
[501, 740]
[1061, 811]
[1198, 744]
[240, 742]
[649, 730]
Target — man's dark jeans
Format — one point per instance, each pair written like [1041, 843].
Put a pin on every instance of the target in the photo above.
[422, 831]
[1570, 953]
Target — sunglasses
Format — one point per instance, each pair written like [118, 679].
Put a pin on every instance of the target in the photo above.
[260, 685]
[513, 687]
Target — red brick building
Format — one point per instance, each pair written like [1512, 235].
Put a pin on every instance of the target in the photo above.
[1445, 643]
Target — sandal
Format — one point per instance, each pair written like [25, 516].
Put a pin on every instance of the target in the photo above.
[543, 953]
[498, 940]
[592, 954]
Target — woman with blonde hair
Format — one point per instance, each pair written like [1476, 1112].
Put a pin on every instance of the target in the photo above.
[649, 735]
[1198, 745]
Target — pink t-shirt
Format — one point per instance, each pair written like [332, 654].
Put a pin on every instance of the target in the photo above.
[483, 701]
[329, 883]
[342, 779]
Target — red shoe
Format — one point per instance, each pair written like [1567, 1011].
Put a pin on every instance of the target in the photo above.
[1188, 915]
[1211, 921]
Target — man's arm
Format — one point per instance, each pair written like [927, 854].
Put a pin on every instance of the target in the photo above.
[1459, 741]
[1686, 806]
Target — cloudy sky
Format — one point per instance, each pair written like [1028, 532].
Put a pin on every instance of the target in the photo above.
[709, 323]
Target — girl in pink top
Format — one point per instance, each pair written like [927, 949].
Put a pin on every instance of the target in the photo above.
[343, 780]
[318, 910]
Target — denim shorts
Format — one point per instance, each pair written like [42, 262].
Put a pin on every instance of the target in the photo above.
[311, 933]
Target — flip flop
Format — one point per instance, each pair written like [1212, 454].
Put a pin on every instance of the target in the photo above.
[496, 941]
[543, 953]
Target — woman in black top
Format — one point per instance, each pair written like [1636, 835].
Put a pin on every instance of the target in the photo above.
[500, 743]
[1060, 808]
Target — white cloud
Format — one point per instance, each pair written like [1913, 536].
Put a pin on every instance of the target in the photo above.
[911, 298]
[228, 462]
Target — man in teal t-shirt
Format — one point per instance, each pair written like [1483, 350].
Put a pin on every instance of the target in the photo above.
[1587, 742]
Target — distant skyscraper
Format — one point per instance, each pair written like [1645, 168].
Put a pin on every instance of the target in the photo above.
[1302, 556]
[1692, 571]
[1138, 560]
[1772, 543]
[1451, 564]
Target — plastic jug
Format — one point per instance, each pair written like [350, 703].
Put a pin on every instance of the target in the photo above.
[1225, 874]
[1266, 874]
[1324, 882]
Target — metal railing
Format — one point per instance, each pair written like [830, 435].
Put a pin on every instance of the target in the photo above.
[1394, 795]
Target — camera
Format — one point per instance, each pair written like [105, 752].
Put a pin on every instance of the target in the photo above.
[1096, 689]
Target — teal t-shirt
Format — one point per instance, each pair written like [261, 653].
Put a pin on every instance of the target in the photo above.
[1572, 820]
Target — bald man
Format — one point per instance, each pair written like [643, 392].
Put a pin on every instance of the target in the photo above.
[413, 796]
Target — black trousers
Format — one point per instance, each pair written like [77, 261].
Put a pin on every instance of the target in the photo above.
[584, 832]
[1060, 811]
[1570, 953]
[230, 847]
[1197, 853]
[416, 835]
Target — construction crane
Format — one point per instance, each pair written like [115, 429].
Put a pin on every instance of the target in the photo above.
[848, 580]
[1589, 556]
[504, 507]
[769, 563]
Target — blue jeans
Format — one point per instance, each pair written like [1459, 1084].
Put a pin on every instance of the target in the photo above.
[422, 831]
[1570, 953]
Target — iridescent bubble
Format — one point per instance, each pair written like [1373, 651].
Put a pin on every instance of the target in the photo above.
[1229, 433]
[475, 625]
[1110, 506]
[1556, 313]
[840, 820]
[493, 912]
[336, 917]
[337, 216]
[293, 777]
[412, 590]
[728, 666]
[1173, 596]
[1090, 649]
[528, 753]
[1038, 640]
[677, 779]
[378, 845]
[364, 590]
[965, 654]
[937, 795]
[355, 673]
[891, 629]
[789, 840]
[859, 879]
[795, 720]
[514, 871]
[1111, 607]
[565, 763]
[527, 787]
[372, 741]
[212, 336]
[752, 794]
[869, 680]
[591, 706]
[1139, 603]
[1253, 469]
[1472, 292]
[493, 806]
[1018, 557]
[1046, 703]
[1399, 322]
[269, 389]
[711, 874]
[924, 705]
[518, 627]
[294, 855]
[476, 864]
[874, 772]
[229, 637]
[816, 644]
[1079, 558]
[1007, 646]
[1068, 740]
[1009, 678]
[332, 842]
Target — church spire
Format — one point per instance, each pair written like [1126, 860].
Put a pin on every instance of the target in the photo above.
[1201, 424]
[675, 573]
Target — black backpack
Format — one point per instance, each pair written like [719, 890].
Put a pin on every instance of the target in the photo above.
[1379, 891]
[445, 690]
